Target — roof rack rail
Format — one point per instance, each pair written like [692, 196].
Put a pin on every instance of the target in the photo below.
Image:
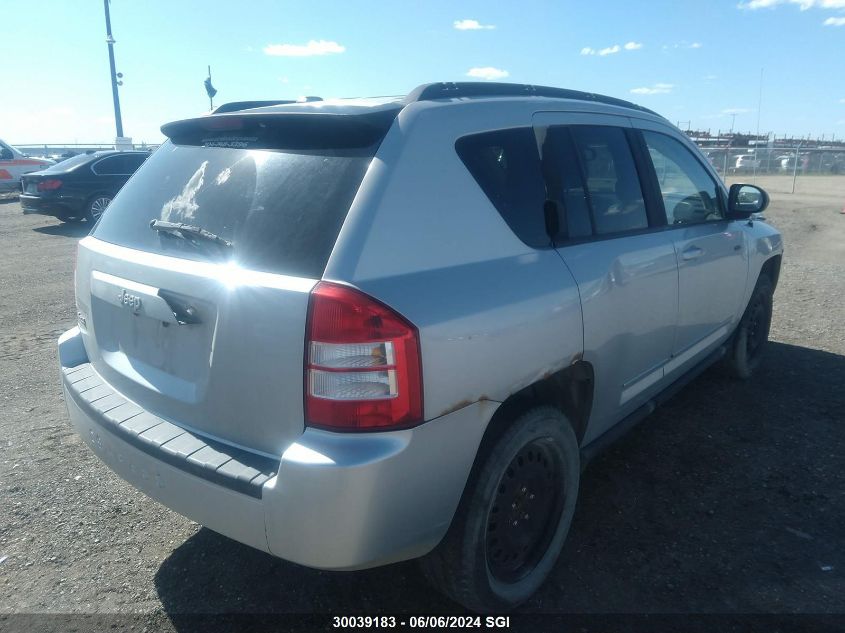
[453, 90]
[235, 106]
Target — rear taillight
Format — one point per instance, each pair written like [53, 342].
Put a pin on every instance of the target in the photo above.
[49, 185]
[362, 367]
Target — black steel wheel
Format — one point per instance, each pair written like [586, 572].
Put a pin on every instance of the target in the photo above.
[514, 515]
[525, 511]
[757, 326]
[749, 341]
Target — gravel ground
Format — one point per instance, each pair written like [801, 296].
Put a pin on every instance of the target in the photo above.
[730, 499]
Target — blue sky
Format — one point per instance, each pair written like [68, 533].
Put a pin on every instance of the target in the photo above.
[695, 61]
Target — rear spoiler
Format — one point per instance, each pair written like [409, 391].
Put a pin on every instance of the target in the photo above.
[235, 106]
[283, 130]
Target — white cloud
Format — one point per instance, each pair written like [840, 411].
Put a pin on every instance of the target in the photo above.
[842, 101]
[313, 47]
[488, 73]
[611, 50]
[472, 25]
[656, 89]
[834, 22]
[682, 44]
[759, 4]
[710, 77]
[803, 4]
[736, 111]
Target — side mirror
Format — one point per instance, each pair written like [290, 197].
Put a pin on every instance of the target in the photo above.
[6, 154]
[746, 200]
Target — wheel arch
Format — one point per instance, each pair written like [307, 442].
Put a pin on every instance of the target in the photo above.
[569, 390]
[771, 268]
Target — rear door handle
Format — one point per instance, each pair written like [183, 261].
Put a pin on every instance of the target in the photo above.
[137, 298]
[693, 252]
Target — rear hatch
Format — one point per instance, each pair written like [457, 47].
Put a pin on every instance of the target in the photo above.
[209, 333]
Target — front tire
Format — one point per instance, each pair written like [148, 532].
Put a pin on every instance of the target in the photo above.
[752, 334]
[514, 515]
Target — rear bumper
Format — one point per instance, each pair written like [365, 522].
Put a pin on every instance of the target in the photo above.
[36, 205]
[56, 206]
[335, 501]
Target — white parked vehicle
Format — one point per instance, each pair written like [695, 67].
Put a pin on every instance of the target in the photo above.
[14, 164]
[746, 162]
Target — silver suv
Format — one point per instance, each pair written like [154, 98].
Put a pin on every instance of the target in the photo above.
[354, 332]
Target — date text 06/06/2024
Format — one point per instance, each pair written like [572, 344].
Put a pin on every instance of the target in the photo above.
[421, 622]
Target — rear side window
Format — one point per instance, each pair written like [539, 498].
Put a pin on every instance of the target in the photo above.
[690, 195]
[281, 209]
[119, 165]
[134, 161]
[613, 184]
[506, 165]
[111, 166]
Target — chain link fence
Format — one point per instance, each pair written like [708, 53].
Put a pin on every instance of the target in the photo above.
[781, 169]
[784, 170]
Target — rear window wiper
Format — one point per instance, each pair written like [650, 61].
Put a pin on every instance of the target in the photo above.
[189, 232]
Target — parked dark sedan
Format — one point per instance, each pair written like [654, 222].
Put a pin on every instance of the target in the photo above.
[80, 187]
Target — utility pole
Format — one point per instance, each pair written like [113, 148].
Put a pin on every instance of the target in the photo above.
[118, 122]
[733, 119]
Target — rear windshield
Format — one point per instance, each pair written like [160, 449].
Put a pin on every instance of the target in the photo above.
[281, 209]
[70, 163]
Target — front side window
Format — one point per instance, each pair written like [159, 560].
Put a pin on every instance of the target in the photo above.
[613, 184]
[690, 195]
[564, 186]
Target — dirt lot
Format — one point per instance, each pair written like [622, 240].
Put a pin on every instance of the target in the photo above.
[731, 499]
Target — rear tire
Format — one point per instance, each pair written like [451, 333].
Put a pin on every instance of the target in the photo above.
[96, 206]
[748, 344]
[514, 515]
